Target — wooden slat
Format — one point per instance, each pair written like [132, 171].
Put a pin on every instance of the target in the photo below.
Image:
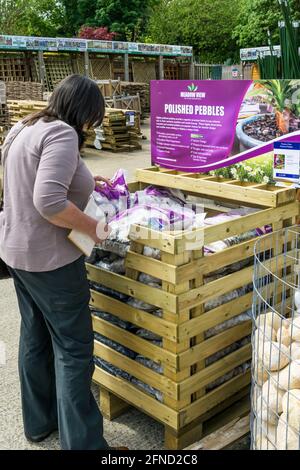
[151, 295]
[131, 341]
[214, 344]
[213, 372]
[215, 317]
[163, 241]
[172, 346]
[235, 227]
[233, 254]
[225, 436]
[233, 407]
[227, 283]
[216, 288]
[136, 369]
[133, 315]
[151, 266]
[205, 187]
[137, 398]
[213, 398]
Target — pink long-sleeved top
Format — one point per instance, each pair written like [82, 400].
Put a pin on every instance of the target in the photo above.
[43, 171]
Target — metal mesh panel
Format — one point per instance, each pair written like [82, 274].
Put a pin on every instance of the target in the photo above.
[275, 422]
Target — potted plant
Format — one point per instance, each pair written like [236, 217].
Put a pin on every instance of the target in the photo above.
[276, 94]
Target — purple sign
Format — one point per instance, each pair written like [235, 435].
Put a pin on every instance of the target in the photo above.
[194, 124]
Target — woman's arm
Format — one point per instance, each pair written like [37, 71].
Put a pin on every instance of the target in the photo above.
[73, 218]
[55, 172]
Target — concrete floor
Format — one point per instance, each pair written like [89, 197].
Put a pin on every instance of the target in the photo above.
[133, 429]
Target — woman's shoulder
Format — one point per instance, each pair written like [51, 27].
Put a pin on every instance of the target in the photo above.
[56, 131]
[56, 125]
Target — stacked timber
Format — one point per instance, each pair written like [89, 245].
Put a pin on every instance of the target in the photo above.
[2, 135]
[4, 116]
[117, 136]
[90, 138]
[19, 109]
[143, 90]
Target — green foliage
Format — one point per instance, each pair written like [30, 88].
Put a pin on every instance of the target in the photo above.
[278, 93]
[79, 13]
[248, 171]
[256, 17]
[128, 18]
[34, 17]
[203, 24]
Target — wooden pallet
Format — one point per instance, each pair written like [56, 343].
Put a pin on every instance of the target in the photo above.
[2, 135]
[171, 71]
[118, 136]
[120, 148]
[187, 403]
[19, 109]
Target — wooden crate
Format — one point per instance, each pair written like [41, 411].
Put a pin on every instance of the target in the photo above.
[186, 404]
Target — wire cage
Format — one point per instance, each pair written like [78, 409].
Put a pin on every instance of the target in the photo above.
[275, 396]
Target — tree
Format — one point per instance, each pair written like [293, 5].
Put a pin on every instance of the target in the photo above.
[31, 17]
[203, 24]
[44, 18]
[11, 12]
[126, 17]
[256, 17]
[88, 32]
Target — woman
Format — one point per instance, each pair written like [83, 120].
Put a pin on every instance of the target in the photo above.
[46, 188]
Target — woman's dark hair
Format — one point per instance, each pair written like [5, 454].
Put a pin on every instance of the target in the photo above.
[78, 101]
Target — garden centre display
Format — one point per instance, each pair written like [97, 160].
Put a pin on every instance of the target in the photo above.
[132, 300]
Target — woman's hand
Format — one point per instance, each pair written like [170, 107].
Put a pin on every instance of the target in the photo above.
[99, 180]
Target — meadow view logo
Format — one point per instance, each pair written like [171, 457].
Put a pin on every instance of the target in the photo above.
[192, 92]
[192, 87]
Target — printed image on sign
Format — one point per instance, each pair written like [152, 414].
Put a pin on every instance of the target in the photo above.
[205, 125]
[287, 161]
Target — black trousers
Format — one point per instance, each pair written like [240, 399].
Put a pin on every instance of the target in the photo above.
[56, 356]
